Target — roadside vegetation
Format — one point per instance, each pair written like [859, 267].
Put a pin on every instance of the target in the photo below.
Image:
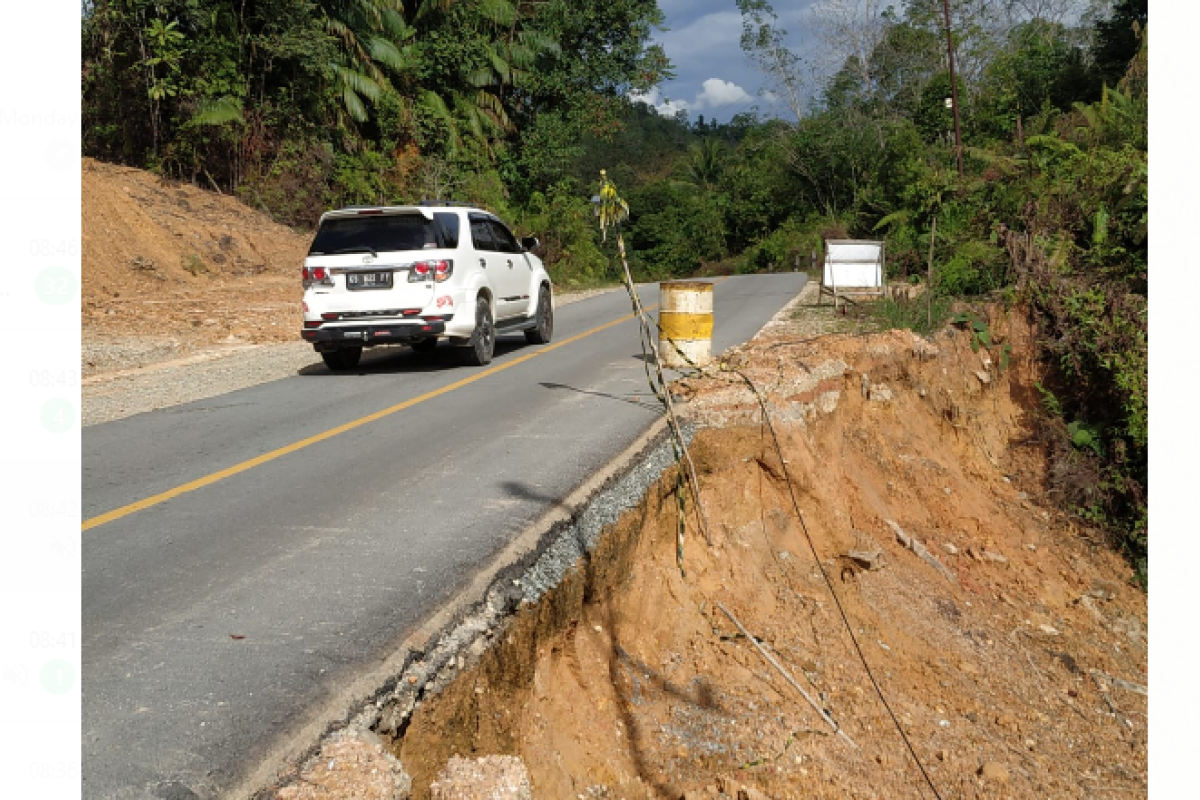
[296, 106]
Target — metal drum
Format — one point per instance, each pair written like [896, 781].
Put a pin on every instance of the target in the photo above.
[685, 323]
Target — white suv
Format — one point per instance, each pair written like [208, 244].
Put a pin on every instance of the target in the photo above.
[412, 274]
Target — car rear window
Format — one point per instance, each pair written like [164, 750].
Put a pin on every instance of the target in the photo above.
[382, 232]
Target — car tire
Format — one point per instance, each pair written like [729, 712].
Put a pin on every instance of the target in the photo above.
[482, 343]
[545, 320]
[343, 358]
[424, 345]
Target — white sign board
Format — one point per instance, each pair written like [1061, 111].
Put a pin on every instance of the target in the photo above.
[853, 264]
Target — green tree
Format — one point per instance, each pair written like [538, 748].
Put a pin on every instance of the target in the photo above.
[367, 33]
[706, 162]
[1119, 39]
[934, 114]
[1038, 68]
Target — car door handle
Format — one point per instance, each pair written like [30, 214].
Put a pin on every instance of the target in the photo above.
[483, 263]
[510, 263]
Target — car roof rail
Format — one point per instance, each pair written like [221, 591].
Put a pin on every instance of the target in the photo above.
[457, 203]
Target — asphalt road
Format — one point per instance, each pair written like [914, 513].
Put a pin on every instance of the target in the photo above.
[247, 555]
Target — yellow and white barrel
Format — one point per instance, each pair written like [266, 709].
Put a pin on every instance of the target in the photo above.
[685, 323]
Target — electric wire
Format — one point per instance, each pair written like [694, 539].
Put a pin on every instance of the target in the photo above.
[829, 584]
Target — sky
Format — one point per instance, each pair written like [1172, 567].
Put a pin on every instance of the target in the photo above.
[714, 77]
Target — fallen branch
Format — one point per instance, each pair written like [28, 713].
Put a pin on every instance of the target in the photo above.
[1103, 690]
[771, 660]
[1136, 688]
[912, 543]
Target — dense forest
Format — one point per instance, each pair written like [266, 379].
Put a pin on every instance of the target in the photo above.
[297, 106]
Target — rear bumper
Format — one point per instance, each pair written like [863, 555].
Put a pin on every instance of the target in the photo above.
[367, 335]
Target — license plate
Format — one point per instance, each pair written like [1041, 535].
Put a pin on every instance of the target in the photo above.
[368, 280]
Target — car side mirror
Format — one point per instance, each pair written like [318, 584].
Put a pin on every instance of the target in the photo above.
[530, 243]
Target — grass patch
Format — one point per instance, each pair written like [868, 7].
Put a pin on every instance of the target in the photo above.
[194, 264]
[917, 314]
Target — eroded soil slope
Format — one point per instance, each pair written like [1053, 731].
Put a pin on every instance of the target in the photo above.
[1009, 645]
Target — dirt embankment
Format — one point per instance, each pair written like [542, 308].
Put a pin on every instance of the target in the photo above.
[170, 269]
[1009, 645]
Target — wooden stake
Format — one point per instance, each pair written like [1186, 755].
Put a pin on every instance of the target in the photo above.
[929, 275]
[771, 660]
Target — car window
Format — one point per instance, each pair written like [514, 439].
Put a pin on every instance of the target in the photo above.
[361, 234]
[505, 241]
[481, 234]
[449, 222]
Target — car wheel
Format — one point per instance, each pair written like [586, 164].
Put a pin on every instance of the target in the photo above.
[545, 320]
[343, 358]
[482, 344]
[424, 345]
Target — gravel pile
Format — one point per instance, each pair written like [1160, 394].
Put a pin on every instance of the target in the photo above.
[486, 778]
[206, 374]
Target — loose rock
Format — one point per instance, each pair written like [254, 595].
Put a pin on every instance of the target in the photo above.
[994, 772]
[487, 778]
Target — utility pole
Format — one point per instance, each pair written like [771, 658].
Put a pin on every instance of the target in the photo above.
[953, 89]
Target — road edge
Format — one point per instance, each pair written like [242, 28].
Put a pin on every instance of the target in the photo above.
[358, 705]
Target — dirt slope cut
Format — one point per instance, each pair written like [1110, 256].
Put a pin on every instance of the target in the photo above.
[1011, 647]
[171, 268]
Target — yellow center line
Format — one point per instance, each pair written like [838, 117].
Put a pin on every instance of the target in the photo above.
[208, 480]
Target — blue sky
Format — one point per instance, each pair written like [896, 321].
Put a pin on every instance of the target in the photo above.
[713, 76]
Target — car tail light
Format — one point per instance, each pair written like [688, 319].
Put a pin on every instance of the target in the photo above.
[437, 270]
[311, 275]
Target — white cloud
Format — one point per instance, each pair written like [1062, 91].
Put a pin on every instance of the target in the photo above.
[717, 92]
[668, 108]
[714, 93]
[664, 106]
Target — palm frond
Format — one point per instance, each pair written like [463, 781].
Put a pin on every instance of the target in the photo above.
[1051, 145]
[502, 68]
[341, 31]
[481, 77]
[432, 103]
[217, 111]
[495, 106]
[498, 12]
[539, 42]
[520, 55]
[385, 52]
[356, 82]
[392, 22]
[354, 104]
[900, 217]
